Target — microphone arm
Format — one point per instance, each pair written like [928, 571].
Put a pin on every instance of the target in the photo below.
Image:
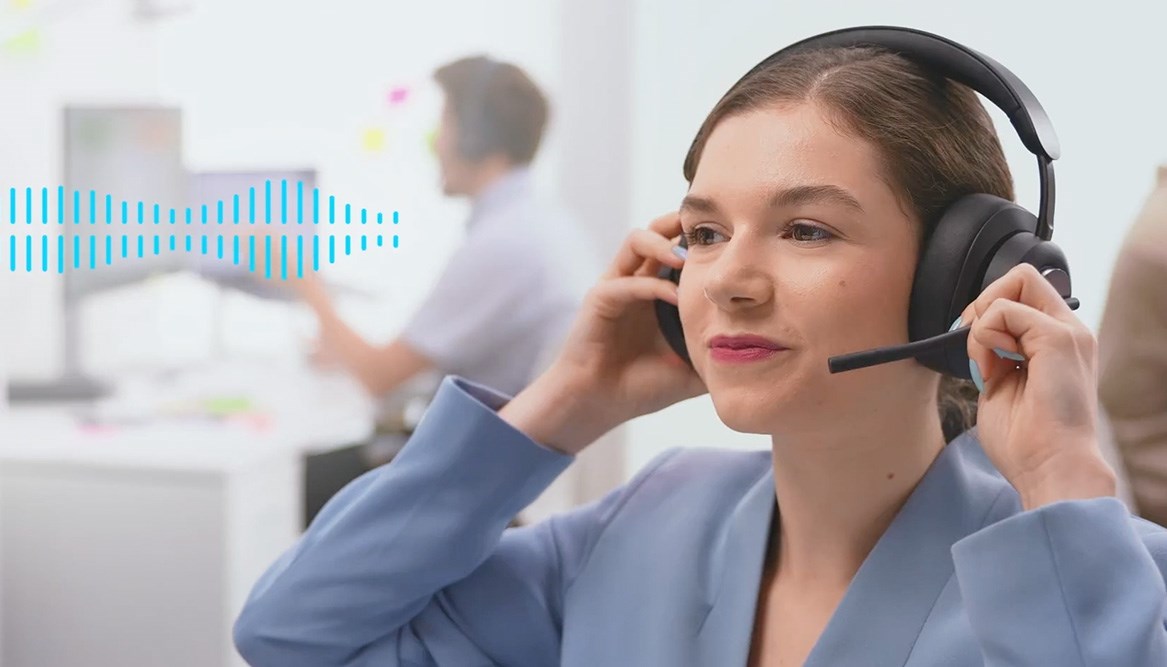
[883, 355]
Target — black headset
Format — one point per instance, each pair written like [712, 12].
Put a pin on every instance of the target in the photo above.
[976, 240]
[477, 134]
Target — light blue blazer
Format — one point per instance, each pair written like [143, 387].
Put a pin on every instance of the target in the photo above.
[412, 564]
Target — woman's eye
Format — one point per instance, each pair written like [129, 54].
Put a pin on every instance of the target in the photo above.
[804, 233]
[700, 236]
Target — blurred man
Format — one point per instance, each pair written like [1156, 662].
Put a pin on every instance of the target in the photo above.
[507, 296]
[509, 293]
[1133, 355]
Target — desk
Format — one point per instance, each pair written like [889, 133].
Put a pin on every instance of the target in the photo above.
[135, 544]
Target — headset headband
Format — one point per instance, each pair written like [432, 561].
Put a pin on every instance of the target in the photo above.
[977, 71]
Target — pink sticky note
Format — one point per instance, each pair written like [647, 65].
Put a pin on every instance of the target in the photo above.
[94, 428]
[258, 421]
[398, 95]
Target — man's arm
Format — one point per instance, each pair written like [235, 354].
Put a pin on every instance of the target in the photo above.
[381, 369]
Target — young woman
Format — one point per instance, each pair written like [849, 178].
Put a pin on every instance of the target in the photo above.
[864, 537]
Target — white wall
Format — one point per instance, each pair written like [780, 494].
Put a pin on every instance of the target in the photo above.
[595, 180]
[1098, 74]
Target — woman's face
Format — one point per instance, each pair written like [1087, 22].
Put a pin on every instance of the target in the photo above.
[795, 236]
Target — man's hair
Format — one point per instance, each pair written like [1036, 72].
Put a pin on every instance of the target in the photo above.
[497, 107]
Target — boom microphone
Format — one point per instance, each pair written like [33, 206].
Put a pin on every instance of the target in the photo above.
[883, 355]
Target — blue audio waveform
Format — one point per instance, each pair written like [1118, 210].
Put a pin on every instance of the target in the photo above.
[100, 239]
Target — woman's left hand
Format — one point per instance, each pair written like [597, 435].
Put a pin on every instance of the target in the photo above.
[1037, 416]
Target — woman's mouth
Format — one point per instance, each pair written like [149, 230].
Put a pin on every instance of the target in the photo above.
[743, 348]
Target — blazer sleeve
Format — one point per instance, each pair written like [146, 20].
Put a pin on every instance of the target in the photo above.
[412, 563]
[1075, 583]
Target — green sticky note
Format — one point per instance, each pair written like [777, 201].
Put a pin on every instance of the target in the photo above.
[227, 405]
[26, 43]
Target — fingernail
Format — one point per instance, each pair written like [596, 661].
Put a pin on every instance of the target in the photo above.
[975, 371]
[680, 252]
[956, 325]
[1005, 354]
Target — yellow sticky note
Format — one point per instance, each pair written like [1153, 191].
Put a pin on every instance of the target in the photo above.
[24, 43]
[22, 4]
[431, 140]
[373, 139]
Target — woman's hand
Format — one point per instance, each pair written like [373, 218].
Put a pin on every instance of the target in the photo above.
[1037, 416]
[615, 364]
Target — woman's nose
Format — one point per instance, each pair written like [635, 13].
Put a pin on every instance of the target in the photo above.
[739, 277]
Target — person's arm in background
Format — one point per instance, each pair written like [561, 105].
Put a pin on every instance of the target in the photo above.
[481, 298]
[487, 297]
[380, 368]
[1132, 351]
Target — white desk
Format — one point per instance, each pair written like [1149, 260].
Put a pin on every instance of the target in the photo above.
[135, 545]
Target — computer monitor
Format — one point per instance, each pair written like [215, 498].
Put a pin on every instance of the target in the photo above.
[123, 177]
[132, 210]
[121, 169]
[241, 209]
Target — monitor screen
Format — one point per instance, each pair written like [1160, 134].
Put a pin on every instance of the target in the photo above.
[123, 180]
[235, 213]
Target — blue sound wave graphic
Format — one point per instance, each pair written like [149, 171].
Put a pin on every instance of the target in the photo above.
[99, 240]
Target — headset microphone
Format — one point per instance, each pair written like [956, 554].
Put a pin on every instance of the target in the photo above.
[915, 349]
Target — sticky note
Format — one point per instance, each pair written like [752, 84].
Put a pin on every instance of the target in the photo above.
[27, 42]
[373, 139]
[22, 4]
[227, 405]
[431, 140]
[398, 95]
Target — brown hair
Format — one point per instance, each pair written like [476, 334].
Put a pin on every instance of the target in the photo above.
[935, 140]
[498, 107]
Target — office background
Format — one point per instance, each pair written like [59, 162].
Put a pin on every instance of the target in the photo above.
[289, 84]
[292, 83]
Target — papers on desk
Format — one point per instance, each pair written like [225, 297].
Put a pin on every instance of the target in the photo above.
[120, 411]
[212, 417]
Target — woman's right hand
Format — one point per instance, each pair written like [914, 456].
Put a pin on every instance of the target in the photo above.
[615, 364]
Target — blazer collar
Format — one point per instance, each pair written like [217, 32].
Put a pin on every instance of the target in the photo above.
[885, 607]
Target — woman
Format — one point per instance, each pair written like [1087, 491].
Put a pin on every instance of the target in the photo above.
[861, 538]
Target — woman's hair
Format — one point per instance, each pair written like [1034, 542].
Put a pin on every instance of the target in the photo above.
[935, 142]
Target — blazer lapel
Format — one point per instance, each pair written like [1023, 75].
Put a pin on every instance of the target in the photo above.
[736, 563]
[892, 594]
[888, 601]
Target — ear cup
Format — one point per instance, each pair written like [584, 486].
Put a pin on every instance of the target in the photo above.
[946, 271]
[978, 239]
[669, 317]
[1026, 248]
[476, 136]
